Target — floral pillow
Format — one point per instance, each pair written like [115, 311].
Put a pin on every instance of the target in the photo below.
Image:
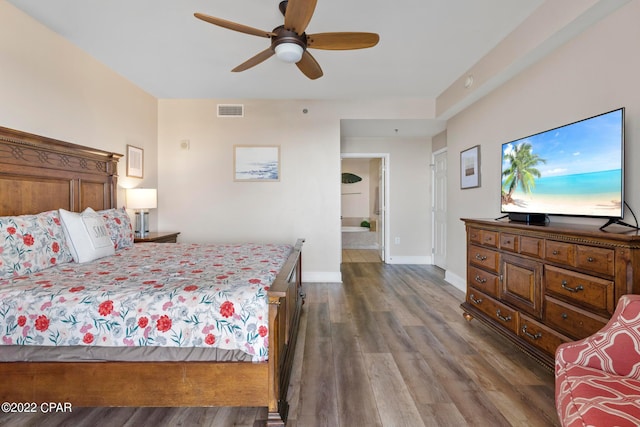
[119, 226]
[31, 243]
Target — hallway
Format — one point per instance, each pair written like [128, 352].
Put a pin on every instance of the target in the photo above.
[360, 255]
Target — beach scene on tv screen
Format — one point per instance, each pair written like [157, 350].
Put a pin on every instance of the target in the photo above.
[572, 170]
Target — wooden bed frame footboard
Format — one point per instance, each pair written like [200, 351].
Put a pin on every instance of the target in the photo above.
[175, 384]
[39, 174]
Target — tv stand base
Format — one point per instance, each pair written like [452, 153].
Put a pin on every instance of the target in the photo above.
[619, 222]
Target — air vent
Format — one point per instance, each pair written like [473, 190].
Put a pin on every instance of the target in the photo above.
[230, 110]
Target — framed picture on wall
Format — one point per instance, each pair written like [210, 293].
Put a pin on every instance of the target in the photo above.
[135, 161]
[259, 163]
[470, 167]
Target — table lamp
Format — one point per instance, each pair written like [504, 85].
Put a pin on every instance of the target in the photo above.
[141, 200]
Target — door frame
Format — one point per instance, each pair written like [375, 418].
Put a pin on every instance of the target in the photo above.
[384, 157]
[434, 240]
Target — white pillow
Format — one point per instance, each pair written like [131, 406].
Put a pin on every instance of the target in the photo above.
[87, 235]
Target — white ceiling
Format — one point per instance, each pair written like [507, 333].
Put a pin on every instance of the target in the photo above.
[425, 45]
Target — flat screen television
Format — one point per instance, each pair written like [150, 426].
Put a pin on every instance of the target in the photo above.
[576, 169]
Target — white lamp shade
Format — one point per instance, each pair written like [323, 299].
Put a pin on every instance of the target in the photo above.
[142, 198]
[289, 52]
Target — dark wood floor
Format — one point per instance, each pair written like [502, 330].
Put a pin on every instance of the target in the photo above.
[388, 347]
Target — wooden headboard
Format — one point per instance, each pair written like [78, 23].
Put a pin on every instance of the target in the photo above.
[38, 174]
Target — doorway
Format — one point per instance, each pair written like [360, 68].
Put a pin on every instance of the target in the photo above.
[364, 213]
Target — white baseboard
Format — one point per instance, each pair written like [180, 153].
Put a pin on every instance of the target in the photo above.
[321, 277]
[456, 281]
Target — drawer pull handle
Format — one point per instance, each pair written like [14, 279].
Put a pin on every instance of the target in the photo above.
[501, 317]
[570, 289]
[480, 279]
[472, 297]
[590, 259]
[480, 257]
[537, 336]
[556, 252]
[565, 316]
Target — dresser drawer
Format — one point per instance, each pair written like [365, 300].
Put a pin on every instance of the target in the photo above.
[500, 313]
[483, 281]
[490, 238]
[539, 335]
[597, 260]
[485, 258]
[588, 291]
[509, 242]
[475, 235]
[484, 237]
[560, 252]
[571, 320]
[532, 246]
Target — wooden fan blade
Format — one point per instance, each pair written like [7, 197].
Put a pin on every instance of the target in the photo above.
[342, 41]
[233, 26]
[298, 15]
[309, 66]
[254, 60]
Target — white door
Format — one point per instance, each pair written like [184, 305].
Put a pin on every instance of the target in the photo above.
[382, 207]
[439, 214]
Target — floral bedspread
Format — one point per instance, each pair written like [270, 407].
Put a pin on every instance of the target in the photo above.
[154, 294]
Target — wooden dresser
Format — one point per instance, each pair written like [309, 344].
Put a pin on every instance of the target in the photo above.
[542, 285]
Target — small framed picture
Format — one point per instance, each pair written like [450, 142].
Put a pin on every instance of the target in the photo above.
[135, 161]
[256, 163]
[470, 167]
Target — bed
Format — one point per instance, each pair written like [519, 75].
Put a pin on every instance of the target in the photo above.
[114, 361]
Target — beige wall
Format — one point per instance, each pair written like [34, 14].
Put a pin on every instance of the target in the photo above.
[592, 74]
[439, 141]
[50, 87]
[409, 204]
[374, 188]
[355, 197]
[200, 198]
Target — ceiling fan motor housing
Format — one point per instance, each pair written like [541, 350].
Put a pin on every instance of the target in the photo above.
[282, 35]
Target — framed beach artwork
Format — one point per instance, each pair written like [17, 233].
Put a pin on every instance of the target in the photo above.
[470, 167]
[260, 163]
[135, 161]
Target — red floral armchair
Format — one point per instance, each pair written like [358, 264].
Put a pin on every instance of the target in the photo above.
[598, 378]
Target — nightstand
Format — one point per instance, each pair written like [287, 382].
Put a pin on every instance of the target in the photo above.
[158, 237]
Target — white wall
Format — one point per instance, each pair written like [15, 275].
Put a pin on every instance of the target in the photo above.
[50, 87]
[408, 207]
[594, 73]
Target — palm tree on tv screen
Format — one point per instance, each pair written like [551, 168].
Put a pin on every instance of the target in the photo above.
[521, 171]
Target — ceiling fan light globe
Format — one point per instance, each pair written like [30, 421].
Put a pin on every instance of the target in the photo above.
[289, 52]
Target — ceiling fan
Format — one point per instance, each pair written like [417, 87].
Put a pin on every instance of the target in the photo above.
[289, 42]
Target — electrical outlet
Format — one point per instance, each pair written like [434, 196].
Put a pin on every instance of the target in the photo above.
[397, 240]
